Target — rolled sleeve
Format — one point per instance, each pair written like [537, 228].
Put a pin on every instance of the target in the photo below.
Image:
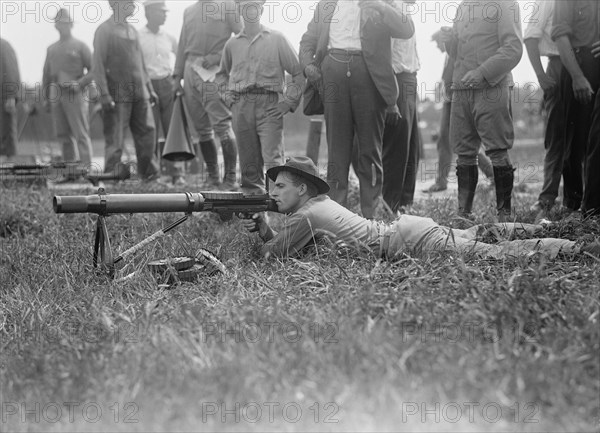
[563, 19]
[296, 234]
[537, 25]
[291, 65]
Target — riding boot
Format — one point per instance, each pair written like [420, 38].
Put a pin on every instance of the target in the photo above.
[468, 176]
[229, 147]
[209, 152]
[504, 178]
[194, 166]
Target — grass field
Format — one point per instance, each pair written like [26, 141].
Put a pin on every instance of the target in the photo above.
[332, 341]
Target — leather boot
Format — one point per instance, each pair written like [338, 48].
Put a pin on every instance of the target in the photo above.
[209, 152]
[504, 178]
[467, 175]
[195, 165]
[229, 147]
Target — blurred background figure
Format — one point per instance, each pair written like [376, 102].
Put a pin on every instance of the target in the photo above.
[159, 50]
[11, 83]
[67, 73]
[538, 42]
[576, 28]
[126, 91]
[252, 81]
[207, 25]
[401, 142]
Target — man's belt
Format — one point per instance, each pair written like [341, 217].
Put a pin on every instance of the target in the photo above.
[338, 52]
[257, 91]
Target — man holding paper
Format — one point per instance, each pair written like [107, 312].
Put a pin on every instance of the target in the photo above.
[207, 25]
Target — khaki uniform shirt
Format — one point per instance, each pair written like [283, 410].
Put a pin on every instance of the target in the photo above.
[487, 37]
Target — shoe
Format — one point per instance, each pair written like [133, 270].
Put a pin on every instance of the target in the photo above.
[179, 181]
[592, 248]
[229, 186]
[210, 184]
[572, 217]
[156, 179]
[436, 187]
[541, 215]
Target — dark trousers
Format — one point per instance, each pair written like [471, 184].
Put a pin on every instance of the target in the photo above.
[353, 105]
[138, 116]
[163, 110]
[554, 138]
[582, 153]
[401, 147]
[8, 132]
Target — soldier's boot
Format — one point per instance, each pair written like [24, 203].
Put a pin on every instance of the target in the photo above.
[209, 152]
[504, 178]
[229, 147]
[467, 175]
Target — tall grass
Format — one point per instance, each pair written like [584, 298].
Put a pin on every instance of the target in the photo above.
[335, 340]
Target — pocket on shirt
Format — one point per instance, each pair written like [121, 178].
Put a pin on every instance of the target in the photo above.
[270, 70]
[583, 9]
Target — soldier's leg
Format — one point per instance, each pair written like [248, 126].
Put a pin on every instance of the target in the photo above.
[141, 123]
[495, 126]
[466, 142]
[77, 115]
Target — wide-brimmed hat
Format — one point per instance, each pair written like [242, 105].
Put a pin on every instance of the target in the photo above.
[162, 5]
[304, 167]
[63, 16]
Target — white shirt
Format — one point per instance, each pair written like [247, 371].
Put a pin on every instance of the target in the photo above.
[404, 51]
[540, 27]
[159, 52]
[344, 30]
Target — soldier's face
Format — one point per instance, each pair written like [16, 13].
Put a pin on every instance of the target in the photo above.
[63, 29]
[156, 16]
[123, 8]
[287, 195]
[250, 11]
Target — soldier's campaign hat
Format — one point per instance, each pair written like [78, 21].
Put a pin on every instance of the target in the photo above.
[63, 16]
[162, 5]
[304, 167]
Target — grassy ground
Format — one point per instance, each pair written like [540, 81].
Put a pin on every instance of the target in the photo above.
[333, 341]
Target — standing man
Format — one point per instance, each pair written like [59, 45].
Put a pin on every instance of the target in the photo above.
[252, 77]
[67, 72]
[10, 79]
[575, 31]
[125, 89]
[159, 49]
[538, 42]
[486, 44]
[444, 147]
[401, 143]
[207, 25]
[346, 50]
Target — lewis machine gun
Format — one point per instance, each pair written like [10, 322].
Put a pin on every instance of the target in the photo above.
[226, 204]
